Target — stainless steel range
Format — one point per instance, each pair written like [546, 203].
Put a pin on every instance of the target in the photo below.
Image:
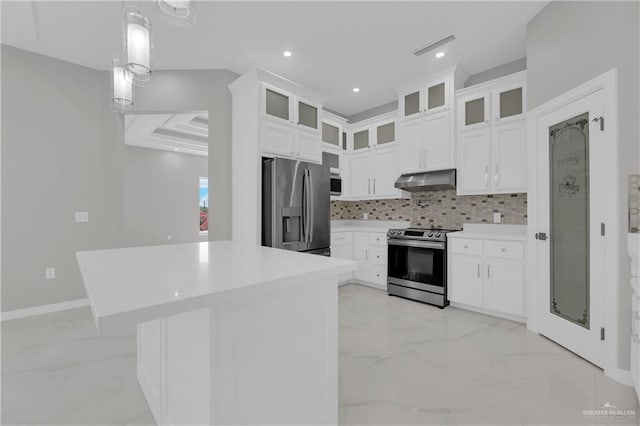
[417, 267]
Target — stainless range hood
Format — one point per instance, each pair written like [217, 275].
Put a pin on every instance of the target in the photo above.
[427, 181]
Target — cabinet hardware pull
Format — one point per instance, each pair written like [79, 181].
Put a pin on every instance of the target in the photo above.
[374, 185]
[486, 176]
[478, 270]
[369, 186]
[496, 176]
[489, 271]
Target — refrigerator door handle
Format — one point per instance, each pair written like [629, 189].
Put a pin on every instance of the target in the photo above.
[311, 207]
[303, 214]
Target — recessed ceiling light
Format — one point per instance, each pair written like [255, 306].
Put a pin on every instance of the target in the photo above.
[439, 54]
[287, 53]
[176, 149]
[356, 89]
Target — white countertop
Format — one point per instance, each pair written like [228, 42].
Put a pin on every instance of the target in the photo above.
[132, 285]
[486, 231]
[367, 225]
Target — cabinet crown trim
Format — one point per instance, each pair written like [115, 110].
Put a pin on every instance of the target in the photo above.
[517, 77]
[256, 75]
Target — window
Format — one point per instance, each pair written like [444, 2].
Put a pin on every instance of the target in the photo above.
[204, 204]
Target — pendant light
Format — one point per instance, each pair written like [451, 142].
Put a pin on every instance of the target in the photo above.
[137, 46]
[122, 81]
[180, 13]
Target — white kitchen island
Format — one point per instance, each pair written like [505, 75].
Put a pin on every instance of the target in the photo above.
[228, 333]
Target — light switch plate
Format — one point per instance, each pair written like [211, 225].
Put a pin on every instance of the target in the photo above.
[365, 216]
[82, 216]
[50, 273]
[497, 218]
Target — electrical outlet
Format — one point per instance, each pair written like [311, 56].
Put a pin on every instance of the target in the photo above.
[365, 216]
[497, 217]
[82, 216]
[169, 237]
[50, 273]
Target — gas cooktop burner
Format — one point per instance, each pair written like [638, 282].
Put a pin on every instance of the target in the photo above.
[432, 234]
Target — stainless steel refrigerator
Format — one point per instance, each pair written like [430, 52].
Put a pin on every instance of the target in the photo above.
[295, 206]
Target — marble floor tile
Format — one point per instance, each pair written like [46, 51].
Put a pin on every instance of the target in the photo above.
[401, 363]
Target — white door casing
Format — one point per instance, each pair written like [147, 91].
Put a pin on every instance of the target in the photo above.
[538, 279]
[583, 341]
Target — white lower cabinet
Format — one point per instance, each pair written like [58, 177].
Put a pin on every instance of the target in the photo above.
[342, 248]
[465, 281]
[488, 275]
[369, 249]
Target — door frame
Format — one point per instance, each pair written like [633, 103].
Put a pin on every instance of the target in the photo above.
[608, 83]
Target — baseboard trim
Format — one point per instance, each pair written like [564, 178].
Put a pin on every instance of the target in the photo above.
[43, 309]
[620, 375]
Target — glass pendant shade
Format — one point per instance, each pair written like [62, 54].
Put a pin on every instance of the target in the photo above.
[137, 46]
[122, 87]
[180, 13]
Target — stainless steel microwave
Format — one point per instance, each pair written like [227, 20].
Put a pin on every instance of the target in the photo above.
[336, 184]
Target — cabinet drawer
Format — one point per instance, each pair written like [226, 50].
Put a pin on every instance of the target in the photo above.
[377, 239]
[464, 246]
[504, 249]
[341, 238]
[377, 255]
[378, 274]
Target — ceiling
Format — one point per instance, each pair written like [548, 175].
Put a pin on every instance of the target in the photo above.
[336, 45]
[187, 133]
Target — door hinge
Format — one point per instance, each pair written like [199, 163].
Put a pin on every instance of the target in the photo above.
[601, 120]
[601, 333]
[602, 229]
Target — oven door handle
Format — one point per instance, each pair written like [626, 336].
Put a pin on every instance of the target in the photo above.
[415, 243]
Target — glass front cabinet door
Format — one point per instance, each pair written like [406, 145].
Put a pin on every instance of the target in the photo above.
[429, 98]
[473, 111]
[508, 103]
[277, 104]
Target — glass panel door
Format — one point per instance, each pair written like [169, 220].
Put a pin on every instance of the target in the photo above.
[307, 115]
[511, 103]
[344, 141]
[416, 264]
[412, 103]
[277, 104]
[330, 134]
[361, 139]
[569, 219]
[386, 133]
[435, 96]
[474, 112]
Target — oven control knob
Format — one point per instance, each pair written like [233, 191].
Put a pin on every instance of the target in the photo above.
[438, 234]
[430, 234]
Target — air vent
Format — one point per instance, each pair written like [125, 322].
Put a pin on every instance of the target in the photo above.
[432, 46]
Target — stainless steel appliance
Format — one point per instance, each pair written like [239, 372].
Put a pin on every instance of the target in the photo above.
[427, 181]
[295, 206]
[336, 184]
[417, 265]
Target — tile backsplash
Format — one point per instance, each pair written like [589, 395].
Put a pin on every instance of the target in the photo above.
[438, 209]
[634, 203]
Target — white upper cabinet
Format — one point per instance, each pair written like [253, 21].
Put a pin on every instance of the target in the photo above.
[491, 138]
[426, 98]
[426, 123]
[374, 158]
[291, 125]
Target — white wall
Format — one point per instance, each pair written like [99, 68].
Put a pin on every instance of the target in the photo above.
[569, 43]
[58, 157]
[201, 91]
[161, 196]
[63, 151]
